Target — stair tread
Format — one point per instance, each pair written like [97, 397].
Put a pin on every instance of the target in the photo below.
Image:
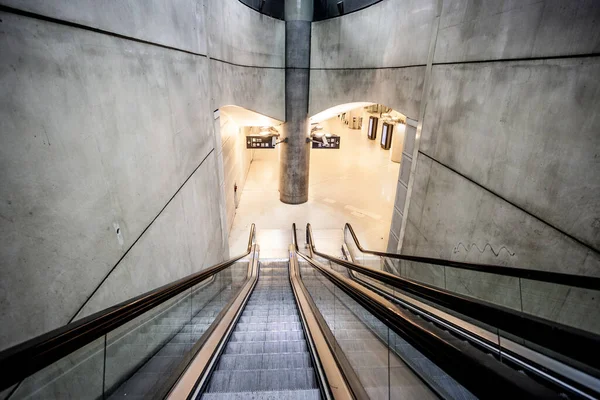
[303, 394]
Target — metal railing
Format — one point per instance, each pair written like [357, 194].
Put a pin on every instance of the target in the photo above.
[570, 342]
[27, 358]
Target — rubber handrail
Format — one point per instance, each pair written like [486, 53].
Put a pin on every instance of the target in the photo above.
[568, 341]
[483, 375]
[23, 360]
[580, 281]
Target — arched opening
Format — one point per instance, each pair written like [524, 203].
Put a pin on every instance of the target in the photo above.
[355, 183]
[232, 125]
[358, 182]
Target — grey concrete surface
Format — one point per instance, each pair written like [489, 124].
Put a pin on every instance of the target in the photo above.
[295, 153]
[392, 33]
[257, 89]
[240, 35]
[294, 156]
[98, 133]
[490, 30]
[176, 23]
[84, 131]
[185, 238]
[297, 44]
[298, 10]
[450, 217]
[236, 163]
[398, 88]
[525, 130]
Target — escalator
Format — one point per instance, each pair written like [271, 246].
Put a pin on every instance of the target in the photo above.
[267, 355]
[312, 326]
[552, 351]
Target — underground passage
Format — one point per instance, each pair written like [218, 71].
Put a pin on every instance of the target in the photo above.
[299, 199]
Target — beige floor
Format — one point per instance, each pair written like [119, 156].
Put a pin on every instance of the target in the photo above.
[356, 184]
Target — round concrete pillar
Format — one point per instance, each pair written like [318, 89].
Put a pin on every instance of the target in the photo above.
[295, 154]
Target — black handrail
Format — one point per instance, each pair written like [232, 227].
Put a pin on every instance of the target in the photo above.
[25, 359]
[581, 281]
[484, 376]
[568, 341]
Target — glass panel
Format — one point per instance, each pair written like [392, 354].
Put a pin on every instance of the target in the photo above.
[137, 358]
[408, 363]
[572, 306]
[77, 376]
[385, 372]
[564, 304]
[141, 351]
[142, 354]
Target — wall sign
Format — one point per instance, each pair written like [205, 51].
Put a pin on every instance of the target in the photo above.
[260, 142]
[333, 142]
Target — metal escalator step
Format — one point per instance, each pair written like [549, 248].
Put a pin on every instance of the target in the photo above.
[270, 326]
[269, 318]
[309, 394]
[263, 336]
[264, 361]
[262, 380]
[272, 310]
[290, 346]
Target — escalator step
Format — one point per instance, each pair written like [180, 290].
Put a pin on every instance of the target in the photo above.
[262, 380]
[290, 346]
[264, 361]
[310, 394]
[266, 336]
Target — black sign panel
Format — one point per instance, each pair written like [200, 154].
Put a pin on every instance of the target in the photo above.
[333, 142]
[372, 132]
[386, 135]
[260, 142]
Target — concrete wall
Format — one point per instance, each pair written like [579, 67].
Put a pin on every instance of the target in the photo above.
[504, 162]
[376, 55]
[521, 133]
[108, 157]
[236, 163]
[507, 163]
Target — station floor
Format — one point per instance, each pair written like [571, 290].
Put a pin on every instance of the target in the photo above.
[356, 184]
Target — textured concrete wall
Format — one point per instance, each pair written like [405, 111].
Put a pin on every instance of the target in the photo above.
[242, 36]
[524, 132]
[236, 163]
[108, 158]
[377, 55]
[506, 169]
[504, 161]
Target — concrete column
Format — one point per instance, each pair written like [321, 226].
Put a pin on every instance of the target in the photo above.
[295, 154]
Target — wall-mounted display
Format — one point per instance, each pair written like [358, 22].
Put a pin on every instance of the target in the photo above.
[372, 130]
[328, 141]
[386, 135]
[260, 141]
